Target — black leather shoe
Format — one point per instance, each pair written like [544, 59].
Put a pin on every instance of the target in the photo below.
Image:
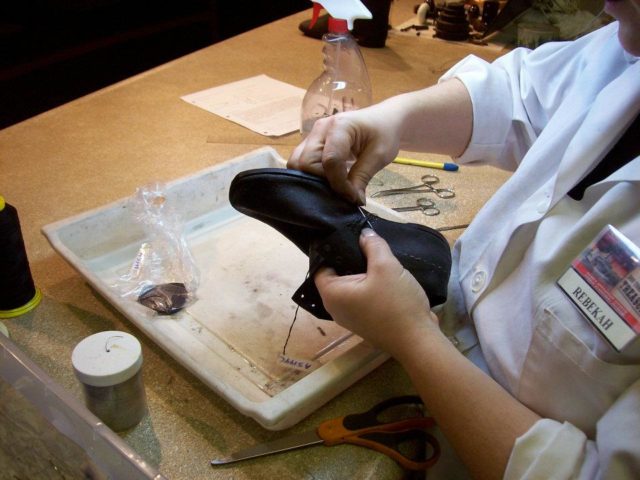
[326, 228]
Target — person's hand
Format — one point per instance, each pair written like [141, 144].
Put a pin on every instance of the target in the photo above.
[348, 149]
[386, 305]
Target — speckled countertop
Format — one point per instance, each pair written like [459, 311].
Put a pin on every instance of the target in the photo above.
[99, 148]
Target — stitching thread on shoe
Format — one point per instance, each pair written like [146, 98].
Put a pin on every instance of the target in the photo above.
[421, 260]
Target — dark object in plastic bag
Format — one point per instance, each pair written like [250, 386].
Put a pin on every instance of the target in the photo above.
[166, 299]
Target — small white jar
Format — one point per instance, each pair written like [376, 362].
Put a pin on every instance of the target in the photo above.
[109, 366]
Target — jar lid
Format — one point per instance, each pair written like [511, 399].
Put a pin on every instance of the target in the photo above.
[107, 358]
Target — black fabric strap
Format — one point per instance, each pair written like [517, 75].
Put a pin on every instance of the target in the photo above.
[627, 148]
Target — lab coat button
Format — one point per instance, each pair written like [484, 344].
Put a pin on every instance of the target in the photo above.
[477, 282]
[542, 206]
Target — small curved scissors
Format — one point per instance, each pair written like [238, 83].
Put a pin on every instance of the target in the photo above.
[426, 205]
[383, 428]
[427, 186]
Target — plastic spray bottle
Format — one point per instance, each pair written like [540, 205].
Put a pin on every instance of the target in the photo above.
[344, 84]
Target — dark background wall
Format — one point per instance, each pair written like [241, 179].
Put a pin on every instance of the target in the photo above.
[52, 51]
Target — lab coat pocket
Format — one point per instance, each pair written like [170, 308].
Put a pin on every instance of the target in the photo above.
[562, 378]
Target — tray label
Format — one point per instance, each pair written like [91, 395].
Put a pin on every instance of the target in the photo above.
[295, 363]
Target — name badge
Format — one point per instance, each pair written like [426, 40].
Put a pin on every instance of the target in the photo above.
[603, 282]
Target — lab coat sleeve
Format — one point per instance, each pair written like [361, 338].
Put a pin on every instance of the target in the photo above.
[514, 97]
[557, 450]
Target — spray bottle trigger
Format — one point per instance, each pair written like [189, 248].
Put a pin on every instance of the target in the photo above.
[316, 13]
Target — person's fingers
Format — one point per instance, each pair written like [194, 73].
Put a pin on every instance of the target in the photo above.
[328, 281]
[294, 158]
[377, 252]
[337, 157]
[383, 264]
[359, 177]
[357, 152]
[374, 154]
[324, 276]
[307, 156]
[337, 149]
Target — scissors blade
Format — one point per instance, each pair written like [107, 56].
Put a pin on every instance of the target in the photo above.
[392, 191]
[299, 440]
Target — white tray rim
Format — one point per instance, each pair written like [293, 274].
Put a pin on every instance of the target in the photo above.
[274, 413]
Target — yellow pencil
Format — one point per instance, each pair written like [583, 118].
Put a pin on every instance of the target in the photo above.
[452, 167]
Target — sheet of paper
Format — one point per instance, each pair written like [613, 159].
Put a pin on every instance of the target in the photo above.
[265, 105]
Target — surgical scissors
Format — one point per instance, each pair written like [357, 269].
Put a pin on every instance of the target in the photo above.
[426, 205]
[425, 187]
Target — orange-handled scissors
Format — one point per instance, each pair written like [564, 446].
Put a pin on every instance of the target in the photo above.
[370, 429]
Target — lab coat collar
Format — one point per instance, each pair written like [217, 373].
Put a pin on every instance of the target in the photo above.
[605, 122]
[630, 57]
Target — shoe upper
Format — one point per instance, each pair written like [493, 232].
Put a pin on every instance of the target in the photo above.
[326, 228]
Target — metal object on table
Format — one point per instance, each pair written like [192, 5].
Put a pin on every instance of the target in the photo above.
[365, 217]
[375, 429]
[426, 186]
[425, 205]
[452, 227]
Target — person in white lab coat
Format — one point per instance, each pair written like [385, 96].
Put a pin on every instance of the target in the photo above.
[559, 402]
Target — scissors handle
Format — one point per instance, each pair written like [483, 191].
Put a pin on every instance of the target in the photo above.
[428, 211]
[444, 192]
[429, 179]
[365, 429]
[425, 205]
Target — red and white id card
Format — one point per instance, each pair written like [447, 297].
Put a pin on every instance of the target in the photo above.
[604, 283]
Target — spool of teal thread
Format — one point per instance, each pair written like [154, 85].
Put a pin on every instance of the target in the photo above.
[18, 294]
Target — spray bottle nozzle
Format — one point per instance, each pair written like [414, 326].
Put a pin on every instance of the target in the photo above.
[343, 10]
[335, 25]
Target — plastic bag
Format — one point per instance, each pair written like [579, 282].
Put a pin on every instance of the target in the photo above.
[163, 276]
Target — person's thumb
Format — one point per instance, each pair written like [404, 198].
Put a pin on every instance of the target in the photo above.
[374, 247]
[359, 177]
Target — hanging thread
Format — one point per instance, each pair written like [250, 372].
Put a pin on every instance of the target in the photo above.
[286, 342]
[106, 343]
[18, 294]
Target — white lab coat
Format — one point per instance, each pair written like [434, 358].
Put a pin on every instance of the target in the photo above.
[549, 115]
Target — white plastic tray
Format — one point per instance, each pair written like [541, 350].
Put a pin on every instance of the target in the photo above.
[231, 337]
